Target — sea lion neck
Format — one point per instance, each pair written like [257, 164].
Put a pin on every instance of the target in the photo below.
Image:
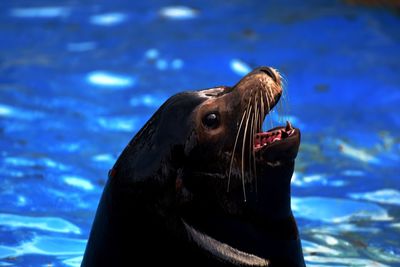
[271, 201]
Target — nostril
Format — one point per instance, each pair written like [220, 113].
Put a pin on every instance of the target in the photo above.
[269, 72]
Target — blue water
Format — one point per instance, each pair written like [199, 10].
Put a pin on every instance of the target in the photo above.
[79, 78]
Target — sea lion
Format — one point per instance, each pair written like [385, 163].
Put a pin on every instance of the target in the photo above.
[202, 185]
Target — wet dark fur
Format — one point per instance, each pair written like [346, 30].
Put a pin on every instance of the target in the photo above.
[165, 174]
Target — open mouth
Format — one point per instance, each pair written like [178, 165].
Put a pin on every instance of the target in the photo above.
[277, 145]
[274, 136]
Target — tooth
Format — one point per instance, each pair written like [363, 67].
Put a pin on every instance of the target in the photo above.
[288, 126]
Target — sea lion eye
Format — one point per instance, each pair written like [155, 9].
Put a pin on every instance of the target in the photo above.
[211, 120]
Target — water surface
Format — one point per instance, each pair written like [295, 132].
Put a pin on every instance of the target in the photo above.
[78, 80]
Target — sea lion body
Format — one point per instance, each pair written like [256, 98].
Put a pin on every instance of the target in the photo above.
[201, 185]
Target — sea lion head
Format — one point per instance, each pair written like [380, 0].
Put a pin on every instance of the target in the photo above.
[235, 183]
[203, 166]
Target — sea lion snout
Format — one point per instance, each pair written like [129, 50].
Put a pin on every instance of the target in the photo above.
[270, 72]
[262, 82]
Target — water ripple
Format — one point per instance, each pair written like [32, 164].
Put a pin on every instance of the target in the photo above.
[108, 19]
[81, 47]
[27, 162]
[73, 262]
[337, 210]
[40, 12]
[47, 245]
[384, 196]
[314, 261]
[239, 67]
[51, 224]
[18, 113]
[315, 180]
[108, 79]
[178, 12]
[356, 153]
[78, 182]
[147, 100]
[119, 124]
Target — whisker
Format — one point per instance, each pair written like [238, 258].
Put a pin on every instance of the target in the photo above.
[243, 147]
[285, 100]
[281, 109]
[283, 79]
[251, 137]
[251, 114]
[268, 105]
[234, 148]
[262, 111]
[255, 122]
